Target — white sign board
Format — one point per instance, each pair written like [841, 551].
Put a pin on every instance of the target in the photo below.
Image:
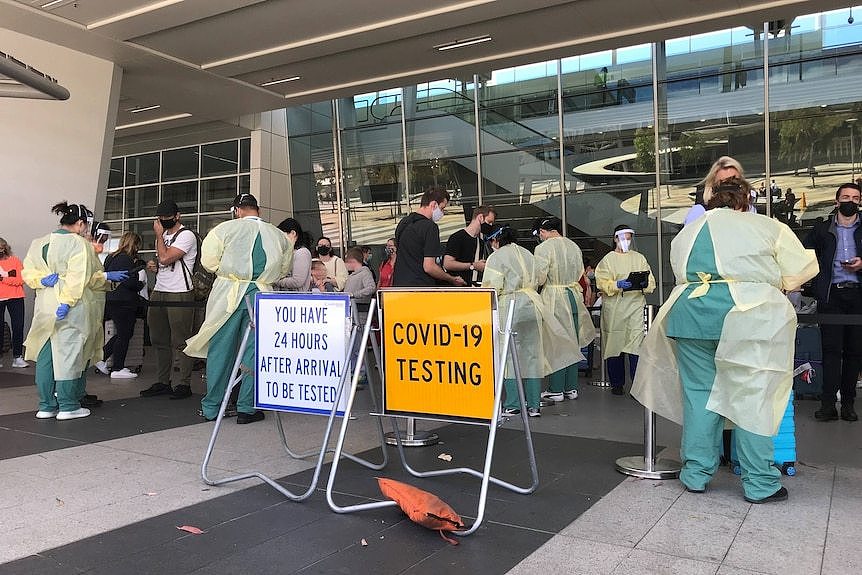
[301, 351]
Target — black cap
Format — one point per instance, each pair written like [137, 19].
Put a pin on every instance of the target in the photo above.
[245, 201]
[167, 208]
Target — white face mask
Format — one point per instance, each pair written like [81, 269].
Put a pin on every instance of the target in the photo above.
[436, 215]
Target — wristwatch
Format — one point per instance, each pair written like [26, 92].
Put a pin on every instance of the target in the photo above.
[471, 267]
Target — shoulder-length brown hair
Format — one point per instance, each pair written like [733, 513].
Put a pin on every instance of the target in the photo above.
[130, 243]
[733, 193]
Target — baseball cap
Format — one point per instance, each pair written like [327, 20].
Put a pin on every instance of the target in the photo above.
[245, 200]
[167, 208]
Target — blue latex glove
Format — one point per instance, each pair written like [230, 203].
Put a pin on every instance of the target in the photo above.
[624, 284]
[116, 276]
[62, 311]
[50, 281]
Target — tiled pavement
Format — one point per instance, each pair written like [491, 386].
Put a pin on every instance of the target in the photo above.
[105, 495]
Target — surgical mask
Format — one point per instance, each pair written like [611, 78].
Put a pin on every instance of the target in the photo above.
[848, 209]
[624, 245]
[591, 275]
[323, 250]
[487, 228]
[389, 252]
[168, 224]
[436, 215]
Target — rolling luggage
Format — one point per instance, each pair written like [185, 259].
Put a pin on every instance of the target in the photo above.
[807, 363]
[784, 442]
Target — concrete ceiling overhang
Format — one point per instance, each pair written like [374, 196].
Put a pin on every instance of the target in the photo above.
[208, 58]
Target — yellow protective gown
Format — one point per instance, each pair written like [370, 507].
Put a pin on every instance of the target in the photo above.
[511, 271]
[559, 266]
[226, 251]
[754, 359]
[94, 295]
[622, 312]
[74, 260]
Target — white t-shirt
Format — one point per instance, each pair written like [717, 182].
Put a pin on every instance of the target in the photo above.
[173, 278]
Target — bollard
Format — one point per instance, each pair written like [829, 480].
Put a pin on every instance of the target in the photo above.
[646, 466]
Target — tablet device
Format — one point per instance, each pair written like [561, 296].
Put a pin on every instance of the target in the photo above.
[639, 280]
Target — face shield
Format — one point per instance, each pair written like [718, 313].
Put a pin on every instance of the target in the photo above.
[623, 242]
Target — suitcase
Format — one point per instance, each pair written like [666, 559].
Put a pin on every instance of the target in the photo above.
[807, 363]
[784, 442]
[135, 354]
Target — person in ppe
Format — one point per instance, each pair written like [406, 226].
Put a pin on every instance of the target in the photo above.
[63, 267]
[723, 168]
[511, 271]
[622, 306]
[721, 347]
[559, 268]
[247, 255]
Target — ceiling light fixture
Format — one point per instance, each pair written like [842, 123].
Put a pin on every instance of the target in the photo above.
[463, 43]
[282, 81]
[132, 13]
[52, 3]
[144, 109]
[153, 121]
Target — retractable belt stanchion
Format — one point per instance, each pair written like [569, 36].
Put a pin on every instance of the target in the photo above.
[603, 379]
[647, 466]
[236, 377]
[508, 351]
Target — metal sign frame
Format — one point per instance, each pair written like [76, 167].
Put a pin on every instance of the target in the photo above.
[509, 349]
[236, 379]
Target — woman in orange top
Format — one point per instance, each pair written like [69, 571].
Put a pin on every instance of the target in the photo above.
[12, 299]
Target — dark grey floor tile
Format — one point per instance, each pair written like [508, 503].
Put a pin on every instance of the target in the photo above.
[37, 565]
[17, 443]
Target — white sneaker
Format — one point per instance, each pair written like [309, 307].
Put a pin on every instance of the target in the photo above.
[102, 367]
[573, 394]
[552, 395]
[19, 362]
[80, 412]
[123, 374]
[46, 414]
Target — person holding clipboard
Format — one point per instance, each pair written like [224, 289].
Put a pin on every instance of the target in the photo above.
[623, 276]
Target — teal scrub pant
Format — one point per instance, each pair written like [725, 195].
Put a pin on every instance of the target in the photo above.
[220, 359]
[68, 390]
[566, 379]
[532, 392]
[702, 429]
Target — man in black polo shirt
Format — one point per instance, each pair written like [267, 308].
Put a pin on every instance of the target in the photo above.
[466, 251]
[418, 239]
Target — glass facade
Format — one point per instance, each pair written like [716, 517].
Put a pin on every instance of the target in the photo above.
[620, 136]
[202, 180]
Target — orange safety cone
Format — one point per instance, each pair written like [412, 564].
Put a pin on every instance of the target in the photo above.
[803, 204]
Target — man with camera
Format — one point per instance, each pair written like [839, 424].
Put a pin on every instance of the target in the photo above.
[171, 312]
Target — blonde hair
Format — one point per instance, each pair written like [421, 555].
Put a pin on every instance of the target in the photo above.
[130, 243]
[709, 182]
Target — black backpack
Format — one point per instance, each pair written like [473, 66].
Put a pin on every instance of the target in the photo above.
[198, 280]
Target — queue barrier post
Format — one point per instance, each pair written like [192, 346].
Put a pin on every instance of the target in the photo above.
[646, 466]
[508, 350]
[236, 377]
[603, 379]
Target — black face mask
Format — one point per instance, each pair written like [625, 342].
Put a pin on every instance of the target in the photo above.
[168, 224]
[848, 209]
[323, 250]
[487, 228]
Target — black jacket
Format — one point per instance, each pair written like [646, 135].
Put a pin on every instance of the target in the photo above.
[824, 241]
[126, 292]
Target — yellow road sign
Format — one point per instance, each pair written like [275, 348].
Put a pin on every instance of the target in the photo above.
[438, 353]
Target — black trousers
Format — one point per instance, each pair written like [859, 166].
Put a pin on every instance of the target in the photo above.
[124, 327]
[842, 347]
[15, 306]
